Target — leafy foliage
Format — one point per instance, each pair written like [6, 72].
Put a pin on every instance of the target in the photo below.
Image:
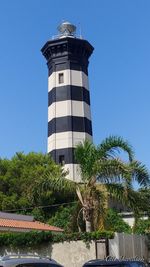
[32, 239]
[20, 179]
[144, 200]
[114, 222]
[63, 218]
[142, 226]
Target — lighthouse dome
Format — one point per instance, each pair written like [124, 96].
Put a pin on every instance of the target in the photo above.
[66, 29]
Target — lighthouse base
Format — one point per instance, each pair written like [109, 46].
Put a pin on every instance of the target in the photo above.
[73, 172]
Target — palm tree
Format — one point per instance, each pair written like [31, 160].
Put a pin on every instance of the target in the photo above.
[102, 171]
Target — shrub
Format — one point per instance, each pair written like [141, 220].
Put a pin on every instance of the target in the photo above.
[114, 222]
[142, 227]
[32, 239]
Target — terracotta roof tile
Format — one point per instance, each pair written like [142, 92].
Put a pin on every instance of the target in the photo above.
[28, 225]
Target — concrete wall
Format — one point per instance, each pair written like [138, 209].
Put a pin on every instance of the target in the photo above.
[74, 253]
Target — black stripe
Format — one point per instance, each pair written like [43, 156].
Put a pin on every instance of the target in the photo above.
[67, 53]
[68, 92]
[69, 123]
[68, 154]
[68, 65]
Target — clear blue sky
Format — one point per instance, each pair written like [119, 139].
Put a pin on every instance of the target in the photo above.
[119, 70]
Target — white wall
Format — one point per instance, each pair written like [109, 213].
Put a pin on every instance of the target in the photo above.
[74, 253]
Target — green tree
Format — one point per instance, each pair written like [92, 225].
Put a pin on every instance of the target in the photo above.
[64, 218]
[142, 226]
[144, 200]
[114, 222]
[101, 172]
[19, 180]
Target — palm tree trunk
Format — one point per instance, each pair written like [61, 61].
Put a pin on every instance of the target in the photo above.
[88, 226]
[87, 215]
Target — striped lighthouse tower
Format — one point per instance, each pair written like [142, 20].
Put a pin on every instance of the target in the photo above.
[69, 115]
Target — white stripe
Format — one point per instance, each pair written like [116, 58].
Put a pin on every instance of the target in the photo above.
[71, 77]
[69, 108]
[74, 172]
[66, 139]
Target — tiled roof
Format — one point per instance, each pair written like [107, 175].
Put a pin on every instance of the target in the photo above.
[27, 225]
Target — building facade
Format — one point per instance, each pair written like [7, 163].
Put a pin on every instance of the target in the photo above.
[69, 114]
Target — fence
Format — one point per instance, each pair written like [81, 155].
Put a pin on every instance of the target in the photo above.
[128, 246]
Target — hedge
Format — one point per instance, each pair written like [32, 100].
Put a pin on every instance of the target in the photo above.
[32, 239]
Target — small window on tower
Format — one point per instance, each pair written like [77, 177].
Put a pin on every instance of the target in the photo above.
[62, 160]
[61, 78]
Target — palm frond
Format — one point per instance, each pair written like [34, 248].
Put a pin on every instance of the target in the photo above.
[113, 144]
[86, 155]
[140, 173]
[127, 196]
[113, 171]
[59, 183]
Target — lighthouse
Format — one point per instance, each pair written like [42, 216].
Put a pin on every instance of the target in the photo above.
[69, 114]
